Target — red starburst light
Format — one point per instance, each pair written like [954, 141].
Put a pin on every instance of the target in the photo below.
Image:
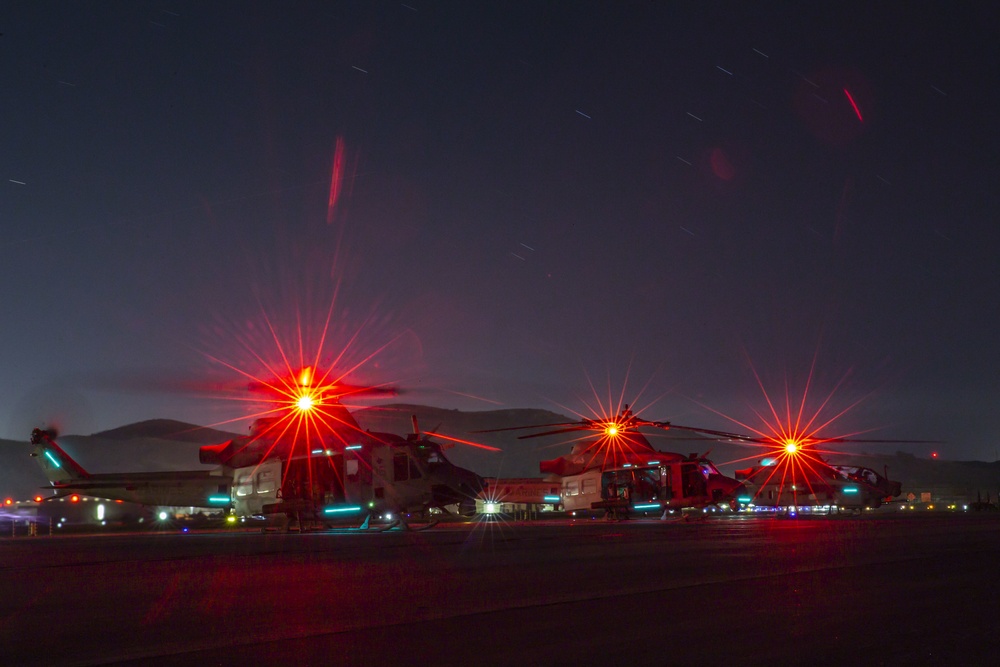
[788, 443]
[615, 425]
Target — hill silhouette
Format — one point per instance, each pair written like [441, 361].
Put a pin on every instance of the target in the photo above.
[167, 429]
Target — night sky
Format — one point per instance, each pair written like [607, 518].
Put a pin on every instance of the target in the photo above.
[505, 203]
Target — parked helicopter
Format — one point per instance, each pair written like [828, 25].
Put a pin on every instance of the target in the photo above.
[615, 469]
[307, 461]
[794, 474]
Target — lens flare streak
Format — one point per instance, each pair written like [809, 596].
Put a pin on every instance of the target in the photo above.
[464, 442]
[336, 180]
[853, 105]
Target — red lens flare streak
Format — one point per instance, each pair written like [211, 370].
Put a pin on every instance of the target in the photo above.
[336, 180]
[853, 105]
[464, 442]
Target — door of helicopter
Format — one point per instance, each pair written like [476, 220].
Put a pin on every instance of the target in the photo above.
[304, 484]
[692, 480]
[255, 487]
[358, 475]
[633, 485]
[397, 481]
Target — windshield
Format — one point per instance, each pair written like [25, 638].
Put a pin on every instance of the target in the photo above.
[708, 469]
[430, 454]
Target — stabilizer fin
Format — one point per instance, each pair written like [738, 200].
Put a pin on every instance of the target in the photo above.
[57, 465]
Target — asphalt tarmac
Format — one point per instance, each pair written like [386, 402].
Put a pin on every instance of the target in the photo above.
[896, 590]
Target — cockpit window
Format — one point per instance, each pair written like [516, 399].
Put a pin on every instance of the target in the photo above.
[431, 455]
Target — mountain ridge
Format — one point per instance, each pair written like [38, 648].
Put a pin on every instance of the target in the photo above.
[167, 429]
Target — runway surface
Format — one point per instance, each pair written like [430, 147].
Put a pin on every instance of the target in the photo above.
[875, 590]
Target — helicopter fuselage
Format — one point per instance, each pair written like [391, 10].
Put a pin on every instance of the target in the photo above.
[373, 473]
[820, 484]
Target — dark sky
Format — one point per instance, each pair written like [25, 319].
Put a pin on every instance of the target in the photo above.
[532, 197]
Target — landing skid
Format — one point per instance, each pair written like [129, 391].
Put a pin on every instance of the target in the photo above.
[398, 522]
[694, 515]
[295, 523]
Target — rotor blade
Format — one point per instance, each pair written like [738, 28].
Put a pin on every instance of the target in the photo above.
[923, 442]
[339, 390]
[521, 428]
[742, 439]
[556, 432]
[682, 437]
[162, 381]
[666, 426]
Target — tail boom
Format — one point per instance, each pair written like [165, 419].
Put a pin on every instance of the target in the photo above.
[58, 466]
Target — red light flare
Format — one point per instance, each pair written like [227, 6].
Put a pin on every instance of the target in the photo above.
[819, 103]
[790, 436]
[303, 396]
[337, 173]
[464, 442]
[611, 450]
[853, 105]
[722, 166]
[608, 418]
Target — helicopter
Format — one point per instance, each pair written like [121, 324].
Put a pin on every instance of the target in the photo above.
[786, 484]
[616, 470]
[797, 477]
[307, 460]
[793, 474]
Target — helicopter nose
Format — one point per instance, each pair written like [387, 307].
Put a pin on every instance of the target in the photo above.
[479, 484]
[472, 485]
[470, 479]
